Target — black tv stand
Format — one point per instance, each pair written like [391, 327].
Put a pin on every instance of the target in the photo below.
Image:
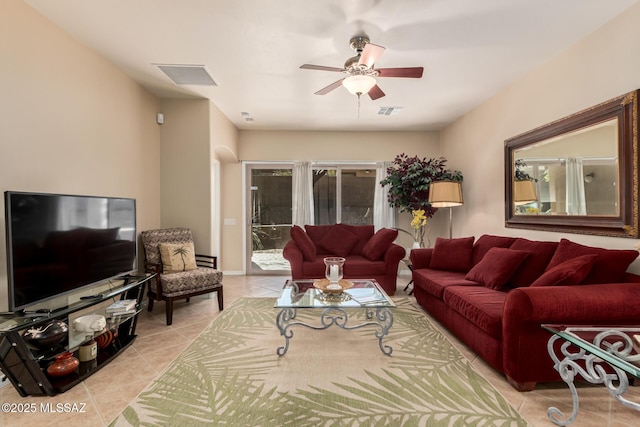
[26, 367]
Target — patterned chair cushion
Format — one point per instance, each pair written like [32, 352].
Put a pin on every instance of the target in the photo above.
[151, 240]
[186, 282]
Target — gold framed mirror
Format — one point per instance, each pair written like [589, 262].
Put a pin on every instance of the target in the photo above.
[578, 174]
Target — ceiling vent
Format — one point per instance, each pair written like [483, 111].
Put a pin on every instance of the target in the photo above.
[187, 74]
[389, 111]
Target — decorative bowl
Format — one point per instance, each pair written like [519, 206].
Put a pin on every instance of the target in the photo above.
[324, 286]
[46, 336]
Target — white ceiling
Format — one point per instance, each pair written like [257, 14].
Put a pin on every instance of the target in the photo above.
[470, 50]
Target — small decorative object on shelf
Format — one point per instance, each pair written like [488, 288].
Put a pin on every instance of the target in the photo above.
[64, 364]
[107, 338]
[47, 336]
[88, 350]
[90, 323]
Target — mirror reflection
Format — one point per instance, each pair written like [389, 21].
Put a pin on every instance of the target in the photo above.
[576, 173]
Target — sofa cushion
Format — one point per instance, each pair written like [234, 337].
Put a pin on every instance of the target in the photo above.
[359, 266]
[303, 242]
[434, 282]
[535, 264]
[452, 254]
[571, 272]
[339, 240]
[486, 242]
[482, 306]
[496, 267]
[609, 267]
[378, 244]
[315, 268]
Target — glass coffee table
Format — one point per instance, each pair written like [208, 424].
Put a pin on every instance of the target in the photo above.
[364, 294]
[599, 354]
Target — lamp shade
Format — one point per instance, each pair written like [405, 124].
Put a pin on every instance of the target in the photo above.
[359, 84]
[445, 194]
[524, 192]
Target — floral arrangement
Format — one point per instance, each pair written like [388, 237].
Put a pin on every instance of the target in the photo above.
[408, 179]
[419, 225]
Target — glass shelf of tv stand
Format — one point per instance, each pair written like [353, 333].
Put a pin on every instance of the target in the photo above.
[111, 289]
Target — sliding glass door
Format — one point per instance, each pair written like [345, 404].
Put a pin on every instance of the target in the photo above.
[343, 194]
[269, 208]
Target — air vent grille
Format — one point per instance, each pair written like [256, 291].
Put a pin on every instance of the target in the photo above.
[389, 111]
[187, 74]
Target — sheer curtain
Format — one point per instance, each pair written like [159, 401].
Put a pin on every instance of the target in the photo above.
[383, 214]
[302, 194]
[576, 203]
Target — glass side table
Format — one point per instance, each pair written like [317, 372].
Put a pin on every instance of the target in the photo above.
[599, 354]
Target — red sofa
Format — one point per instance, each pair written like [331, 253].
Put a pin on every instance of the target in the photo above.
[368, 255]
[495, 293]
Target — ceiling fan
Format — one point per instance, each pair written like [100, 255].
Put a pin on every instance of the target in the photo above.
[360, 70]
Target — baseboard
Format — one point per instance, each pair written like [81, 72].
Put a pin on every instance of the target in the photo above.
[233, 273]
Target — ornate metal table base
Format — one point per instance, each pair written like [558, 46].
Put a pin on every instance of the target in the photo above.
[592, 369]
[379, 317]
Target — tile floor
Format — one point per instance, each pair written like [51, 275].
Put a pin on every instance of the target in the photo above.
[104, 395]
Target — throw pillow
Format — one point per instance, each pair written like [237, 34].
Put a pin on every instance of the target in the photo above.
[535, 264]
[303, 242]
[571, 272]
[496, 267]
[177, 257]
[488, 241]
[452, 254]
[609, 267]
[338, 241]
[378, 244]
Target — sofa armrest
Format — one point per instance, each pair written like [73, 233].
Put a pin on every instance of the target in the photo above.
[420, 258]
[393, 256]
[293, 254]
[583, 304]
[524, 342]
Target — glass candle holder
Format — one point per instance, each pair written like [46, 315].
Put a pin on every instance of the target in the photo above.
[334, 270]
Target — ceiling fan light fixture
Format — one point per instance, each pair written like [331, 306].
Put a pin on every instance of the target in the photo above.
[359, 84]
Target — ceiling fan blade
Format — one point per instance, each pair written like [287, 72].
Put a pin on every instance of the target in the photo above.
[410, 72]
[320, 67]
[375, 93]
[327, 89]
[370, 54]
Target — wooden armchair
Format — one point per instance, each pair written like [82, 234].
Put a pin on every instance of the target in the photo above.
[196, 275]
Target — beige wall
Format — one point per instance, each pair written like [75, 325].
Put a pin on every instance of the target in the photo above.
[600, 67]
[186, 196]
[311, 146]
[194, 137]
[70, 122]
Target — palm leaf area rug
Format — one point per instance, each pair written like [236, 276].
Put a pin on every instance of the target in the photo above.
[231, 375]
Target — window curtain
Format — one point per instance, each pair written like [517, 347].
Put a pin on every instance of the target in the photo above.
[383, 214]
[576, 203]
[302, 194]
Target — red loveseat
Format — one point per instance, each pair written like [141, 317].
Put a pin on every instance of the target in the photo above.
[494, 295]
[368, 255]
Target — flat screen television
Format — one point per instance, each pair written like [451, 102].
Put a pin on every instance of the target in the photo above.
[59, 243]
